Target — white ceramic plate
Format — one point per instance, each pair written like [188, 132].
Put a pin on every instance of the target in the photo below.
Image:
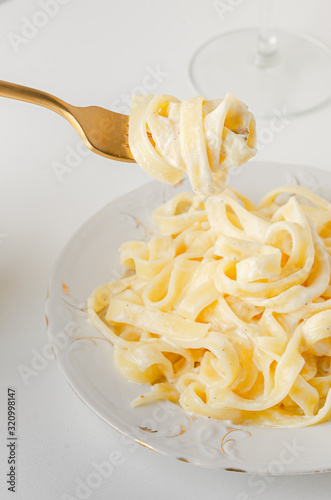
[90, 259]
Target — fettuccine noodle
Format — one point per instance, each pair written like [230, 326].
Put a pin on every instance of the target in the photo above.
[227, 311]
[202, 138]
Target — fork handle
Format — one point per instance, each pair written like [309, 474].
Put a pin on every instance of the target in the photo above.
[34, 96]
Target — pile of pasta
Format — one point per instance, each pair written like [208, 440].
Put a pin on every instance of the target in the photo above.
[227, 310]
[202, 138]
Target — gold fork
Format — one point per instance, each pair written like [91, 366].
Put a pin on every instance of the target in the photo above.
[104, 132]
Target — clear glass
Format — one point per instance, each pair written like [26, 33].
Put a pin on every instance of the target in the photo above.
[271, 70]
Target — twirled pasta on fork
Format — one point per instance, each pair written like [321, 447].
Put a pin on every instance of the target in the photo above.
[202, 138]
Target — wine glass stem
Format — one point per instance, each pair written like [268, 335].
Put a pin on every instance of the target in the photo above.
[267, 43]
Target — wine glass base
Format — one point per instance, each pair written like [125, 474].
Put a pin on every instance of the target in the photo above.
[298, 80]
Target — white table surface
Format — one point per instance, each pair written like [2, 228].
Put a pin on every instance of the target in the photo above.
[96, 52]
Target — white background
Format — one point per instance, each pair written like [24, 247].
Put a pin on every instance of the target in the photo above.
[96, 52]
